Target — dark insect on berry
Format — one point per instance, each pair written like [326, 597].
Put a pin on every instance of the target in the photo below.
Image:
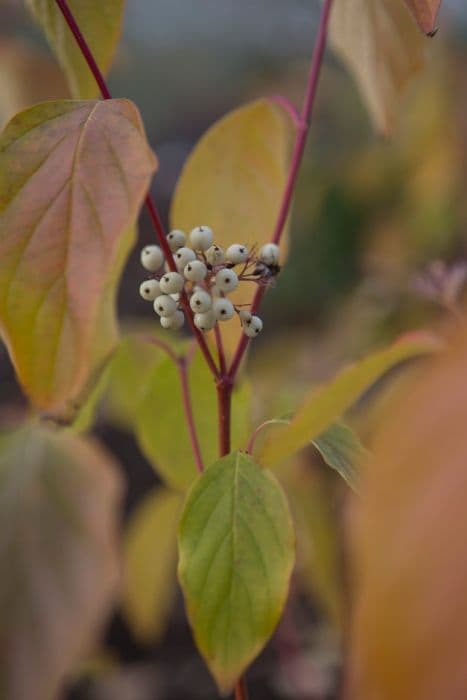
[266, 272]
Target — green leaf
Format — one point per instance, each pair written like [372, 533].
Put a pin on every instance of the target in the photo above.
[342, 450]
[59, 519]
[100, 23]
[234, 181]
[161, 424]
[236, 547]
[150, 564]
[72, 178]
[425, 12]
[383, 49]
[326, 404]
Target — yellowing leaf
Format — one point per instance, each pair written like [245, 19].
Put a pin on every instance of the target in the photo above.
[161, 424]
[59, 519]
[342, 450]
[326, 404]
[72, 178]
[425, 12]
[384, 50]
[236, 547]
[100, 23]
[150, 564]
[233, 182]
[410, 529]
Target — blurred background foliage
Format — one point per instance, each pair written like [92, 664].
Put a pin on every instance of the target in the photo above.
[369, 214]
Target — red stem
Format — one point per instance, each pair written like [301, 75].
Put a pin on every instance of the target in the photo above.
[220, 349]
[150, 204]
[297, 156]
[241, 690]
[188, 408]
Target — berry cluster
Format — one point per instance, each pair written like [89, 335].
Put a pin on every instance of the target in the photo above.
[206, 274]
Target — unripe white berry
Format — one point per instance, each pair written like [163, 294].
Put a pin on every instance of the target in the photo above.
[201, 302]
[195, 271]
[152, 258]
[183, 256]
[165, 305]
[171, 283]
[223, 309]
[226, 280]
[215, 255]
[236, 253]
[252, 327]
[173, 322]
[149, 289]
[201, 238]
[245, 316]
[205, 321]
[269, 254]
[176, 239]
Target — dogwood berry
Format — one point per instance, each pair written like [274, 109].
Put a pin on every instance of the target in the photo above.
[165, 305]
[215, 255]
[149, 289]
[175, 297]
[252, 327]
[205, 321]
[183, 256]
[174, 322]
[201, 302]
[245, 316]
[269, 254]
[226, 280]
[195, 271]
[201, 238]
[236, 253]
[152, 258]
[171, 283]
[223, 309]
[176, 239]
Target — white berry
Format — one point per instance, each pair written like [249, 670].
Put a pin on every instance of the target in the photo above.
[201, 238]
[269, 254]
[223, 309]
[236, 253]
[173, 322]
[152, 258]
[149, 289]
[171, 283]
[183, 256]
[200, 302]
[215, 255]
[226, 280]
[245, 316]
[175, 297]
[252, 327]
[176, 239]
[165, 305]
[205, 321]
[195, 271]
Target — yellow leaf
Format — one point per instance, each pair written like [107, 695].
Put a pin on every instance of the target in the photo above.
[384, 50]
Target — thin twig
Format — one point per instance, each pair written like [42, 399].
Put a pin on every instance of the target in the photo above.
[188, 408]
[220, 349]
[260, 428]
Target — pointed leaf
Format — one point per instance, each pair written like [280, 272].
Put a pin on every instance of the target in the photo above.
[100, 23]
[72, 178]
[233, 182]
[425, 12]
[384, 50]
[161, 425]
[150, 564]
[342, 450]
[59, 498]
[236, 546]
[326, 404]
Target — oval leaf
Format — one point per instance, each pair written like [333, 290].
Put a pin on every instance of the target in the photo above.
[100, 22]
[236, 546]
[425, 12]
[342, 450]
[234, 180]
[326, 404]
[59, 518]
[72, 178]
[150, 564]
[410, 530]
[384, 50]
